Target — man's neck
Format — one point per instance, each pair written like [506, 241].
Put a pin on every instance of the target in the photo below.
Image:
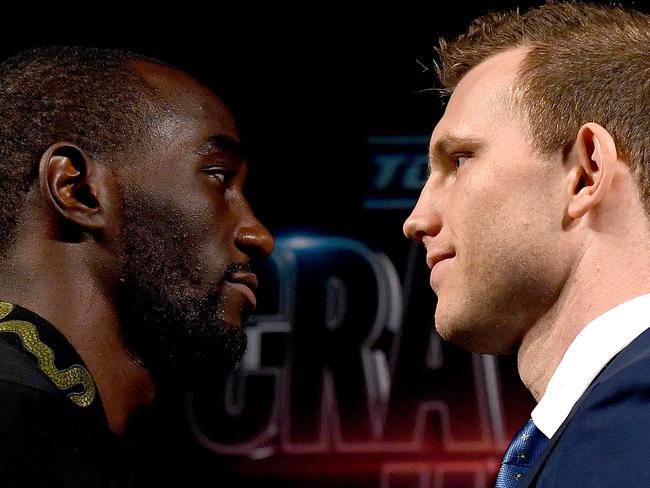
[591, 290]
[67, 297]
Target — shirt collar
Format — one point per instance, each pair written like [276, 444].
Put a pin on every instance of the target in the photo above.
[54, 356]
[594, 346]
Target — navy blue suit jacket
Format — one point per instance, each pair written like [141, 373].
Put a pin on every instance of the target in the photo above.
[605, 440]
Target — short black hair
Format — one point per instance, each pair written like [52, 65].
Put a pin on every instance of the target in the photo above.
[88, 96]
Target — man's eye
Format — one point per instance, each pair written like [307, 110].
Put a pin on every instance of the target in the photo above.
[221, 174]
[460, 160]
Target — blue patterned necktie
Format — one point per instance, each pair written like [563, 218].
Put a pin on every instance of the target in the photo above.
[526, 446]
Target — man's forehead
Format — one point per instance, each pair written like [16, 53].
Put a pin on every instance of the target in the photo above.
[499, 69]
[165, 79]
[484, 98]
[187, 108]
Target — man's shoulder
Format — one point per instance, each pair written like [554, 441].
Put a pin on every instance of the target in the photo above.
[31, 406]
[29, 402]
[629, 367]
[618, 400]
[606, 438]
[16, 367]
[42, 441]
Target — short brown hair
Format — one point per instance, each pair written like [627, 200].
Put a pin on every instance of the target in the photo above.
[584, 63]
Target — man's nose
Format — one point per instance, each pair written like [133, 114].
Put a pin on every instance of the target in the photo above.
[253, 238]
[425, 218]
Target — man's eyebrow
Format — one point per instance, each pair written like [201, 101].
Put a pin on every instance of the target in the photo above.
[220, 143]
[449, 144]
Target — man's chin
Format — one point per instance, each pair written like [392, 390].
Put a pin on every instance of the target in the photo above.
[181, 358]
[474, 339]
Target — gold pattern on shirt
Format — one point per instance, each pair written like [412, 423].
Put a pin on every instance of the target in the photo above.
[5, 309]
[63, 379]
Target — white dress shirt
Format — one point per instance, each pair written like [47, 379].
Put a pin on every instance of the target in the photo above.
[590, 351]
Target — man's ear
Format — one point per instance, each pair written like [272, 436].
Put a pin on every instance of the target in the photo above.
[72, 188]
[594, 161]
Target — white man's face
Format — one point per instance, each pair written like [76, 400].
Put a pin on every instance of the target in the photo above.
[491, 216]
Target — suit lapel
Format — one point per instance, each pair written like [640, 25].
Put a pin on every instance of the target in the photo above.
[531, 477]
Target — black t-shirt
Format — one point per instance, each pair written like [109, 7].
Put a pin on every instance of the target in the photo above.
[53, 429]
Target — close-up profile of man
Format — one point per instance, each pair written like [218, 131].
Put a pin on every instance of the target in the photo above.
[535, 222]
[127, 253]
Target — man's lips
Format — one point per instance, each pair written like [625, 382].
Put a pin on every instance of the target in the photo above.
[246, 283]
[435, 258]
